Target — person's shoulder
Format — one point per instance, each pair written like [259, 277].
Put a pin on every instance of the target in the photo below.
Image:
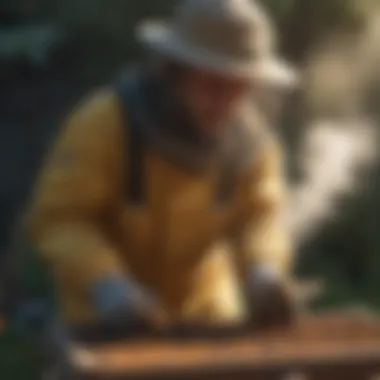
[97, 106]
[105, 106]
[98, 115]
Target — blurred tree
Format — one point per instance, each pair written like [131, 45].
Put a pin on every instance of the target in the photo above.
[301, 22]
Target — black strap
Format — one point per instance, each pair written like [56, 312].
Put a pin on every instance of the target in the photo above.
[127, 91]
[227, 176]
[135, 190]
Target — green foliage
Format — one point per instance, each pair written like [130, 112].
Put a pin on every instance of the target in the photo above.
[17, 358]
[280, 9]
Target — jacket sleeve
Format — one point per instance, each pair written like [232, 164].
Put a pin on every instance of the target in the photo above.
[76, 189]
[263, 239]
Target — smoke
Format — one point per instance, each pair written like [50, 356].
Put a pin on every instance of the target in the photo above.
[333, 157]
[339, 143]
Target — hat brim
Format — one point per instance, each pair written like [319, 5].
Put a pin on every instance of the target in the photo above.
[270, 70]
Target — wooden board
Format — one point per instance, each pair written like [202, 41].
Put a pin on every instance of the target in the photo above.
[319, 345]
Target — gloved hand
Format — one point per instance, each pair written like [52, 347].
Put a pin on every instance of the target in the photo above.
[120, 301]
[271, 298]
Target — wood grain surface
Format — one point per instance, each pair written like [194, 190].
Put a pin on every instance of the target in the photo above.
[339, 340]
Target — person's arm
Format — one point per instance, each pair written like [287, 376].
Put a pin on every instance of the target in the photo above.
[264, 241]
[77, 189]
[264, 249]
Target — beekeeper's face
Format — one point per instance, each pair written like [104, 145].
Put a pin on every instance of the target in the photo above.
[211, 98]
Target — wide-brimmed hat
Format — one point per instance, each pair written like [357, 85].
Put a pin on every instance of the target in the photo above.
[234, 37]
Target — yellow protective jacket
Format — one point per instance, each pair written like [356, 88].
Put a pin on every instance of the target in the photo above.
[177, 245]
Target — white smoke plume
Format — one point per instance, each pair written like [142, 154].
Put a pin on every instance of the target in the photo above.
[340, 145]
[333, 157]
